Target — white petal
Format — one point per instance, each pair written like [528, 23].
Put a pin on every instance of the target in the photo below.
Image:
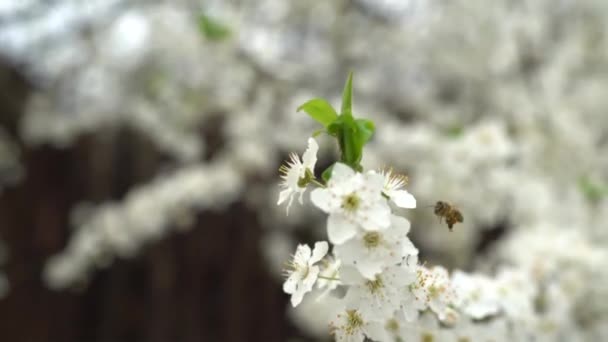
[377, 332]
[302, 255]
[311, 278]
[296, 298]
[410, 311]
[403, 199]
[302, 191]
[339, 229]
[341, 172]
[290, 285]
[369, 268]
[319, 251]
[408, 248]
[350, 275]
[375, 181]
[283, 196]
[401, 224]
[321, 198]
[310, 156]
[378, 217]
[350, 251]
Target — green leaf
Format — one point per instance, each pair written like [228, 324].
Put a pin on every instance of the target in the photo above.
[455, 131]
[593, 191]
[212, 29]
[318, 132]
[335, 127]
[347, 96]
[320, 110]
[366, 129]
[326, 175]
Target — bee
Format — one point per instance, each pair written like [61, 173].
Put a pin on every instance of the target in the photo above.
[451, 214]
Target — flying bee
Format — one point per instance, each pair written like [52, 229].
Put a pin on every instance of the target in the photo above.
[451, 214]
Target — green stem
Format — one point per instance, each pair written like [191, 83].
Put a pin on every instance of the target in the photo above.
[317, 183]
[328, 278]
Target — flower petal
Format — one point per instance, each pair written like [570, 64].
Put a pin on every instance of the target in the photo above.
[341, 172]
[401, 224]
[302, 255]
[369, 268]
[350, 275]
[290, 285]
[402, 199]
[321, 198]
[408, 248]
[319, 251]
[339, 229]
[378, 217]
[310, 156]
[374, 181]
[296, 297]
[311, 278]
[283, 196]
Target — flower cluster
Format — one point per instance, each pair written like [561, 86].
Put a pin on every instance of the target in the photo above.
[372, 256]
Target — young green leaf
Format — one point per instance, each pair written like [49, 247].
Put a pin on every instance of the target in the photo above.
[353, 136]
[318, 132]
[320, 110]
[592, 190]
[366, 129]
[212, 29]
[347, 96]
[326, 175]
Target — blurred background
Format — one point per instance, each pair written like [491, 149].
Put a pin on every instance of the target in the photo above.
[140, 143]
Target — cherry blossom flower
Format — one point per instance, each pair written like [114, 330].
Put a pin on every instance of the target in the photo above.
[393, 188]
[370, 251]
[351, 325]
[476, 295]
[295, 173]
[301, 272]
[352, 200]
[379, 297]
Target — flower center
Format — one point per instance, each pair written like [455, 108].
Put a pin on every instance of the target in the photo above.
[435, 291]
[374, 286]
[292, 266]
[371, 239]
[353, 322]
[351, 202]
[427, 337]
[392, 325]
[306, 179]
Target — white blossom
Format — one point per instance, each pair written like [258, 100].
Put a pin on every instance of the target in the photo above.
[302, 272]
[393, 188]
[295, 170]
[352, 325]
[353, 200]
[379, 297]
[370, 251]
[475, 295]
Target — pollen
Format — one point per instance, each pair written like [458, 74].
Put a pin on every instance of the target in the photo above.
[371, 240]
[290, 266]
[427, 337]
[354, 322]
[394, 180]
[351, 202]
[392, 325]
[376, 285]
